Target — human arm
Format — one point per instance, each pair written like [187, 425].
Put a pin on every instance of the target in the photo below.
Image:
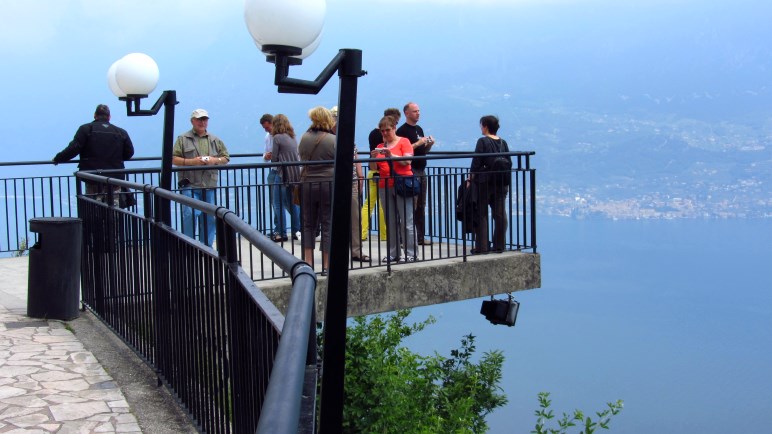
[358, 171]
[478, 163]
[406, 150]
[426, 142]
[74, 147]
[128, 147]
[222, 157]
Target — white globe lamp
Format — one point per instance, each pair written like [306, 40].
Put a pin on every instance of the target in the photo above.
[289, 23]
[112, 83]
[135, 74]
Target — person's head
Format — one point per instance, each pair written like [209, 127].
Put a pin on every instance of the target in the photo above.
[489, 123]
[334, 113]
[387, 128]
[321, 119]
[412, 113]
[200, 121]
[266, 121]
[281, 125]
[393, 112]
[102, 113]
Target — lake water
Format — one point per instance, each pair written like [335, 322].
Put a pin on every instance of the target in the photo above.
[673, 317]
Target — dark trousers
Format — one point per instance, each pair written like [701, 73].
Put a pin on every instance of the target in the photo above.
[493, 196]
[419, 214]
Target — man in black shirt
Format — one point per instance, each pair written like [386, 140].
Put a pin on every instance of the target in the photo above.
[421, 146]
[101, 145]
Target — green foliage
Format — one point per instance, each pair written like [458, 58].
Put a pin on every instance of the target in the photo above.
[390, 389]
[23, 248]
[544, 414]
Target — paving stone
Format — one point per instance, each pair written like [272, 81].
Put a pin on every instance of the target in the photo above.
[77, 427]
[28, 420]
[10, 391]
[70, 412]
[105, 427]
[26, 401]
[68, 385]
[15, 371]
[127, 428]
[53, 376]
[13, 411]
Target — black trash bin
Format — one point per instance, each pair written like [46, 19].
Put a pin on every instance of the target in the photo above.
[53, 290]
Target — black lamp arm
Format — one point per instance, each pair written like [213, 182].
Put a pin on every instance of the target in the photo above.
[282, 57]
[135, 110]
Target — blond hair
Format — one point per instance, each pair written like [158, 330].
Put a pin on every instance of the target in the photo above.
[321, 119]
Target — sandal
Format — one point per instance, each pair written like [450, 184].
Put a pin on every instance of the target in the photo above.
[364, 258]
[276, 238]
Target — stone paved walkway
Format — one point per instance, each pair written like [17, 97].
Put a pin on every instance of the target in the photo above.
[50, 383]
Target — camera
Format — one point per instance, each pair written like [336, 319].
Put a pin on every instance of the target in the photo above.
[182, 183]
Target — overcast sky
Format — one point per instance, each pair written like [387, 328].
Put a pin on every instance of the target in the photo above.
[458, 58]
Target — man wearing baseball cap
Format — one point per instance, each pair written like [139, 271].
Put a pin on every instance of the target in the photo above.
[198, 147]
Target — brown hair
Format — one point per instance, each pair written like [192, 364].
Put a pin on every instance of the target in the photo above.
[281, 125]
[394, 112]
[266, 118]
[386, 121]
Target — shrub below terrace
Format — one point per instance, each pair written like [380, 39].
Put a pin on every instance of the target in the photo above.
[392, 389]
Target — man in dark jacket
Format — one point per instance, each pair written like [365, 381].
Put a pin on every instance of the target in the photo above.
[101, 145]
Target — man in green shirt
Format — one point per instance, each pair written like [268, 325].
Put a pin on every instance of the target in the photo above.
[198, 147]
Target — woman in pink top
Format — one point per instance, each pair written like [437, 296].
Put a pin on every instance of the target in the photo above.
[398, 209]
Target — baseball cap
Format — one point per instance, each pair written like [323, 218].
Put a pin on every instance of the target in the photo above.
[199, 113]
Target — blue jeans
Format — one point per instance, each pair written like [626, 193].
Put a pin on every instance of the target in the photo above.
[206, 223]
[285, 197]
[274, 184]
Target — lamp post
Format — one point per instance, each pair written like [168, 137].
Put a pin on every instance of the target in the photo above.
[132, 78]
[284, 29]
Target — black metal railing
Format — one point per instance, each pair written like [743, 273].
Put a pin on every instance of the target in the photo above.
[244, 189]
[193, 314]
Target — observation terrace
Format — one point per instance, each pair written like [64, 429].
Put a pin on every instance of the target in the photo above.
[211, 321]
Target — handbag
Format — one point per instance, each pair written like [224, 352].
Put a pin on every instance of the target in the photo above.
[296, 194]
[407, 186]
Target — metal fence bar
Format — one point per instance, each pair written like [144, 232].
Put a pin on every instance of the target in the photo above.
[191, 312]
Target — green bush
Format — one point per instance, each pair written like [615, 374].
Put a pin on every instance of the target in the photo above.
[391, 389]
[544, 414]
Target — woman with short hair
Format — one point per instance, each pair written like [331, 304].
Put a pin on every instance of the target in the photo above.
[492, 187]
[399, 209]
[317, 144]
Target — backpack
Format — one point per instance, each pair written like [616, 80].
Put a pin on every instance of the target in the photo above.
[500, 165]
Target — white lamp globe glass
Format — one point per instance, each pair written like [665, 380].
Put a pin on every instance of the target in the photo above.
[295, 23]
[114, 88]
[309, 50]
[137, 74]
